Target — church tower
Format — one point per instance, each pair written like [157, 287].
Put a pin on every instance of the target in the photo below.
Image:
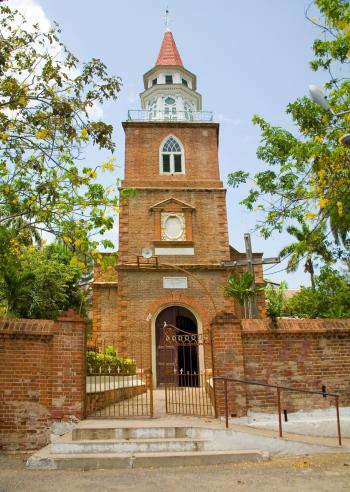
[173, 236]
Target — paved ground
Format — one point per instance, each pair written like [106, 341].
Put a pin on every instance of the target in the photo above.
[298, 474]
[192, 401]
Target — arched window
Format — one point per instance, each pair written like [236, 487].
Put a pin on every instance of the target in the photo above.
[188, 111]
[152, 108]
[171, 157]
[170, 108]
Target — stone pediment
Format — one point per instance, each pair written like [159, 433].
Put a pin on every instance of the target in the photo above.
[171, 205]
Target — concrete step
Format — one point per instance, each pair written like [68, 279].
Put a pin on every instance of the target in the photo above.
[105, 433]
[148, 445]
[44, 459]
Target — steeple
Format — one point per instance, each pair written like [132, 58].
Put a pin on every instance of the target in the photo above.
[170, 90]
[169, 54]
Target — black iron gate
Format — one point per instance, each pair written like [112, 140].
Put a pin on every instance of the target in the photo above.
[119, 376]
[188, 386]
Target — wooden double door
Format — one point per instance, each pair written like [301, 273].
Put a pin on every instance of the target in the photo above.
[175, 362]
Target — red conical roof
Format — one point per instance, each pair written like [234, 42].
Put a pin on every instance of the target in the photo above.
[169, 54]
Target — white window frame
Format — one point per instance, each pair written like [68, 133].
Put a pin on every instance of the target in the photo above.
[188, 111]
[170, 111]
[172, 163]
[152, 109]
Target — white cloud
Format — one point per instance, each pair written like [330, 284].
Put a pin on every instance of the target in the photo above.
[95, 112]
[33, 12]
[132, 96]
[227, 119]
[246, 139]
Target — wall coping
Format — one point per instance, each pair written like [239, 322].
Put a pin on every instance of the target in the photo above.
[223, 318]
[293, 325]
[25, 328]
[16, 328]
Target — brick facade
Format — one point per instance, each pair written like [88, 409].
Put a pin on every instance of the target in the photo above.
[42, 378]
[227, 346]
[200, 142]
[135, 293]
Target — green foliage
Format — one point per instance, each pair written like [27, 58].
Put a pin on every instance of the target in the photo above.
[46, 123]
[37, 282]
[241, 287]
[307, 172]
[329, 299]
[311, 243]
[108, 362]
[276, 300]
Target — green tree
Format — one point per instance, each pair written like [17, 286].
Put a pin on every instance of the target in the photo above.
[310, 243]
[38, 282]
[307, 174]
[46, 124]
[241, 287]
[275, 300]
[329, 299]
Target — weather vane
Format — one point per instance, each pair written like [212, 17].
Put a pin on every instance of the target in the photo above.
[167, 20]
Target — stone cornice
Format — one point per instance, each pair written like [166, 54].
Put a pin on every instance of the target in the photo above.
[166, 268]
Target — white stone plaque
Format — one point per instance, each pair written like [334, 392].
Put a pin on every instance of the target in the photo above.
[174, 282]
[174, 251]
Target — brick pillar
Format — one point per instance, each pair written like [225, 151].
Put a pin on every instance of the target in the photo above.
[68, 367]
[227, 345]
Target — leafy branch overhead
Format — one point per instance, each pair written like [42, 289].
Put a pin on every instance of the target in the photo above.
[307, 173]
[310, 244]
[47, 103]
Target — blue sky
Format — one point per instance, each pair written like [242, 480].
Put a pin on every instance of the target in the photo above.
[249, 57]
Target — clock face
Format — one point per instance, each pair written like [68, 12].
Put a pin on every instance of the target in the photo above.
[173, 227]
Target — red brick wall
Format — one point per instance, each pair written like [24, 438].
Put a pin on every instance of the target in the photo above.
[209, 222]
[227, 349]
[299, 353]
[144, 295]
[42, 378]
[104, 310]
[305, 354]
[200, 142]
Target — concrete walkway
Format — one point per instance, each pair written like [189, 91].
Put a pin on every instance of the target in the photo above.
[304, 474]
[164, 419]
[189, 400]
[263, 438]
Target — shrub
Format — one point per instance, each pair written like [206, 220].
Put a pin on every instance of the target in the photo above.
[38, 282]
[108, 362]
[330, 299]
[275, 300]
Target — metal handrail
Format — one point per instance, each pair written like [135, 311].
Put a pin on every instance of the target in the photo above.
[278, 390]
[155, 115]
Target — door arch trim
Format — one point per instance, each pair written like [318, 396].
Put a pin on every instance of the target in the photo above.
[153, 336]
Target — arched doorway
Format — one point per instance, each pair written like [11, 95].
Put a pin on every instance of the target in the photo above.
[180, 360]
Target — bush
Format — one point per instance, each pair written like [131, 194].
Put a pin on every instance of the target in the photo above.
[275, 300]
[330, 299]
[108, 362]
[37, 282]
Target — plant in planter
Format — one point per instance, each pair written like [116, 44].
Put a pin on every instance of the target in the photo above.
[275, 301]
[109, 363]
[242, 289]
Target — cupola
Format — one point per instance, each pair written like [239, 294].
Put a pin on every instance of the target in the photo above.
[170, 89]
